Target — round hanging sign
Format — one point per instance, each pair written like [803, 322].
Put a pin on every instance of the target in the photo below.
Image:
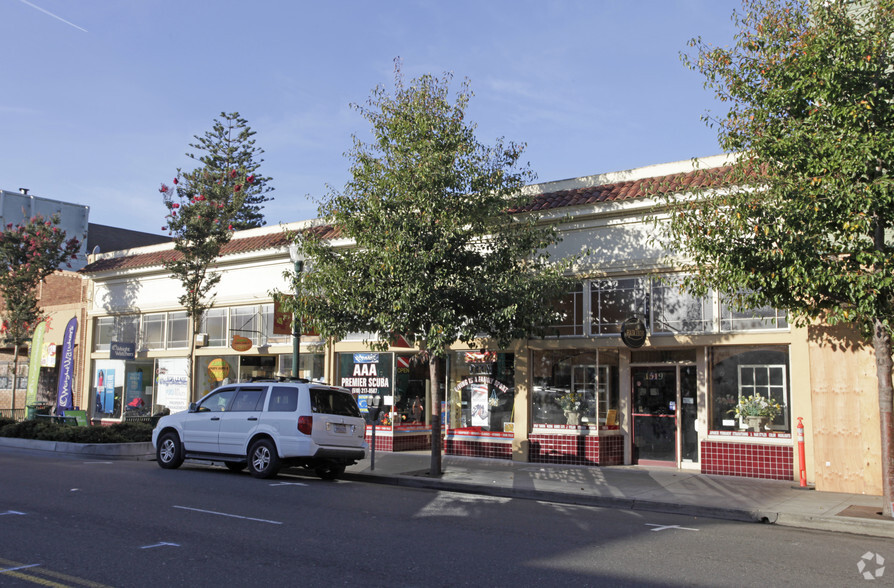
[633, 332]
[241, 343]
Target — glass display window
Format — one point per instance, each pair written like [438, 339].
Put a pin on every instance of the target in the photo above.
[481, 391]
[575, 388]
[740, 372]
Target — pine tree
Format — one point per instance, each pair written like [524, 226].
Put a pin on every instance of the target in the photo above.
[230, 147]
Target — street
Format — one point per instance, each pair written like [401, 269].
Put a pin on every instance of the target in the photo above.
[70, 522]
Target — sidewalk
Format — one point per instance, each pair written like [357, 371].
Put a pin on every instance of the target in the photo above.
[636, 488]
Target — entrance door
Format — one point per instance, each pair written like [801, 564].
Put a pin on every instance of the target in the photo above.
[655, 415]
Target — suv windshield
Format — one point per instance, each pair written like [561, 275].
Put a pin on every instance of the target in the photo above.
[327, 401]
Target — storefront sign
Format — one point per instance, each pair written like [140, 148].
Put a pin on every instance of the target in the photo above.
[633, 333]
[218, 369]
[122, 350]
[241, 343]
[173, 384]
[366, 373]
[64, 400]
[48, 357]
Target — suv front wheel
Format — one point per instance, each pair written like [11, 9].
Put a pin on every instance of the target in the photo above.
[169, 453]
[263, 462]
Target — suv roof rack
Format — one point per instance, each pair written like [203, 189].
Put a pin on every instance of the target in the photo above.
[280, 379]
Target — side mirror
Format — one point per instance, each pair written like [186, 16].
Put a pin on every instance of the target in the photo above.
[192, 407]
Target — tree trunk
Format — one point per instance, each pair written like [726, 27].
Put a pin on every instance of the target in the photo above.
[434, 374]
[881, 342]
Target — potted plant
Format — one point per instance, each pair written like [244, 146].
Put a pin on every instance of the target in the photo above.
[571, 405]
[756, 411]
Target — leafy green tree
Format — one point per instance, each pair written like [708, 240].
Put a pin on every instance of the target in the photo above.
[230, 147]
[438, 251]
[29, 252]
[204, 208]
[810, 91]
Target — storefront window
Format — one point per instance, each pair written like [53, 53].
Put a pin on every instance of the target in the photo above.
[575, 388]
[571, 306]
[752, 319]
[271, 338]
[138, 388]
[108, 385]
[676, 311]
[216, 370]
[481, 391]
[103, 332]
[310, 365]
[153, 332]
[215, 325]
[245, 322]
[614, 301]
[739, 372]
[412, 397]
[178, 330]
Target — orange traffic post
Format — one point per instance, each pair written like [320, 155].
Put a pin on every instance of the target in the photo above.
[801, 461]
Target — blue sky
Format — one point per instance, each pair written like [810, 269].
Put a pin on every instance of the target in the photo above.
[101, 98]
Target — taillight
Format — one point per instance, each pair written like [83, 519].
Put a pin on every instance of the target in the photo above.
[306, 424]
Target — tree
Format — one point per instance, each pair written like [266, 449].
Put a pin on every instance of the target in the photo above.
[439, 253]
[204, 208]
[229, 147]
[29, 252]
[811, 115]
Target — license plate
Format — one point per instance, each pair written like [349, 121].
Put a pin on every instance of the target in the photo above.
[341, 428]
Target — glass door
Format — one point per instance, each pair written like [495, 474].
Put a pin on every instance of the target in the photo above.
[655, 415]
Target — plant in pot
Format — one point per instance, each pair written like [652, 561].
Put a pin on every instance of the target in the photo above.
[756, 411]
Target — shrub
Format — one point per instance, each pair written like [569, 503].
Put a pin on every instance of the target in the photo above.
[50, 431]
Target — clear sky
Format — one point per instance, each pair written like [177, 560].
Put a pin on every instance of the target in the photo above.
[101, 98]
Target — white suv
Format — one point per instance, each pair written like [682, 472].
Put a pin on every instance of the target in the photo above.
[265, 425]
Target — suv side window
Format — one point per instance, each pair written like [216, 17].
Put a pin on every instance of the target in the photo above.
[249, 399]
[328, 401]
[283, 399]
[218, 401]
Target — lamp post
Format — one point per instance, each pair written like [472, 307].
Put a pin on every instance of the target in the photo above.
[296, 319]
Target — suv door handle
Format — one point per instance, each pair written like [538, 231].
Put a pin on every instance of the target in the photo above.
[215, 418]
[252, 418]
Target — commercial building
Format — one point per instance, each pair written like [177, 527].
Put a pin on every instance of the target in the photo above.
[637, 373]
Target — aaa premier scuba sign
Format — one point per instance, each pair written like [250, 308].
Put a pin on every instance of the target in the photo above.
[366, 373]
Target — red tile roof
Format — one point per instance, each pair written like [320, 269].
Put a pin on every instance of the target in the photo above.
[613, 192]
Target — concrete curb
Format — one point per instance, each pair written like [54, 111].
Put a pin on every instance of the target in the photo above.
[126, 451]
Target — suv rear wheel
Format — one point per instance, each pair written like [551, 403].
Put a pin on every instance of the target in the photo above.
[263, 462]
[169, 453]
[330, 471]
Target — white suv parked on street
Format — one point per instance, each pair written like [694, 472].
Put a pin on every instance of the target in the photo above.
[265, 425]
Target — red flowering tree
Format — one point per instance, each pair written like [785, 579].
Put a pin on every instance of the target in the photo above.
[29, 252]
[204, 208]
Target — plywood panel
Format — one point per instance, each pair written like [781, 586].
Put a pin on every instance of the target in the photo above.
[844, 394]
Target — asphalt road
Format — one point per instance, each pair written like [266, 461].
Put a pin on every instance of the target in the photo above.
[69, 522]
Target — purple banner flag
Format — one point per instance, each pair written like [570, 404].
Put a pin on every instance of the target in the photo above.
[64, 400]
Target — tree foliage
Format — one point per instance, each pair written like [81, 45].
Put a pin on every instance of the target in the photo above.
[811, 115]
[807, 224]
[207, 204]
[436, 251]
[29, 252]
[229, 146]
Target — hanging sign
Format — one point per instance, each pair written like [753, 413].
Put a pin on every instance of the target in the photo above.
[241, 343]
[633, 332]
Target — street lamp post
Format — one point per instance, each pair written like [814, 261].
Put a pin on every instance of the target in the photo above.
[296, 319]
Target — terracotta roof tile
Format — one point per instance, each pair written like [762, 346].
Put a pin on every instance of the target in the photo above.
[614, 192]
